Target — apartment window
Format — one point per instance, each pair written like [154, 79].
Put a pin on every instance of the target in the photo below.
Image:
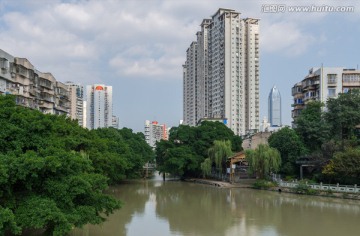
[332, 92]
[331, 78]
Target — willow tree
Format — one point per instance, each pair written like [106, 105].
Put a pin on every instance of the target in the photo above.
[263, 160]
[219, 152]
[206, 167]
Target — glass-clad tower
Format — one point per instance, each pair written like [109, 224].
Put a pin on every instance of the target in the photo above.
[274, 107]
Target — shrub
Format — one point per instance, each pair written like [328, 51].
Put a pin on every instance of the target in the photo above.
[303, 188]
[264, 184]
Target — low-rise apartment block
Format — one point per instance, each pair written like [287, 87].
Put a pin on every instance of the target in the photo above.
[32, 88]
[323, 83]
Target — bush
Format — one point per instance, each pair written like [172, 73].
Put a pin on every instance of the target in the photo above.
[289, 177]
[303, 188]
[264, 184]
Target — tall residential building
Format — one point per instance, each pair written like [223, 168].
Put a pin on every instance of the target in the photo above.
[202, 74]
[76, 93]
[32, 88]
[99, 106]
[154, 132]
[221, 72]
[322, 83]
[190, 85]
[274, 106]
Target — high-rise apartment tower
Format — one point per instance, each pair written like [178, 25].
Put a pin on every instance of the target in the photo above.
[221, 72]
[99, 106]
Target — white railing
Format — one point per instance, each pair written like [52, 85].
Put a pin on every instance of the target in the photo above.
[320, 186]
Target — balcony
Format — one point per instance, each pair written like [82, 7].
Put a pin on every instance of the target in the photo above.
[351, 83]
[296, 91]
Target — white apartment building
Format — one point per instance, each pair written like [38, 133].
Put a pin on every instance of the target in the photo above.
[202, 66]
[189, 84]
[76, 94]
[227, 72]
[322, 83]
[154, 132]
[99, 106]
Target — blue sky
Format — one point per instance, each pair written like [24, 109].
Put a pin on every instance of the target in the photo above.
[138, 46]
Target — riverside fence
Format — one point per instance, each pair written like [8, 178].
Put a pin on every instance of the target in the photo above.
[324, 187]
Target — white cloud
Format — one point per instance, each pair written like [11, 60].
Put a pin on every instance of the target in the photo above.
[136, 35]
[160, 67]
[286, 38]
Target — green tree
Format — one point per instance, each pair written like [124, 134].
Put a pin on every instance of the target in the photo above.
[177, 160]
[47, 179]
[263, 160]
[197, 141]
[311, 126]
[219, 153]
[344, 168]
[343, 114]
[206, 167]
[290, 146]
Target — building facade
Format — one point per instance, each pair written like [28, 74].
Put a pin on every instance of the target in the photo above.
[76, 94]
[274, 106]
[32, 88]
[98, 106]
[115, 122]
[322, 83]
[189, 84]
[154, 132]
[221, 72]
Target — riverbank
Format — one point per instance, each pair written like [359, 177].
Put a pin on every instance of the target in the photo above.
[248, 183]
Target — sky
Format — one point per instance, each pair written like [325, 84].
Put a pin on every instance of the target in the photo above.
[139, 46]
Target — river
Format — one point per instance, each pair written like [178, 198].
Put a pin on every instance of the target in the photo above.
[157, 208]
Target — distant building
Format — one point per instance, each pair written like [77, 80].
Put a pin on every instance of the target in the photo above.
[253, 141]
[265, 125]
[154, 132]
[115, 122]
[32, 88]
[274, 106]
[76, 93]
[84, 114]
[322, 83]
[99, 106]
[221, 72]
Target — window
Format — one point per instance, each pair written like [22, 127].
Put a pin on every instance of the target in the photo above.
[331, 78]
[331, 92]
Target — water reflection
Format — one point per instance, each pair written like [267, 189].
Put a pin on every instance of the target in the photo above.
[177, 208]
